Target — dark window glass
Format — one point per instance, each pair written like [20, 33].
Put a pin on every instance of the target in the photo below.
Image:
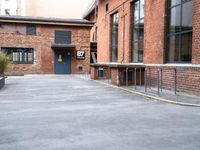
[180, 31]
[20, 55]
[63, 37]
[31, 29]
[130, 76]
[175, 19]
[107, 7]
[137, 30]
[101, 73]
[174, 48]
[186, 47]
[187, 16]
[114, 37]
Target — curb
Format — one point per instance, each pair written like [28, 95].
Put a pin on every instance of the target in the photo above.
[146, 95]
[150, 96]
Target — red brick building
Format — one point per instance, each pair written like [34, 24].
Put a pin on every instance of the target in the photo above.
[159, 36]
[92, 15]
[46, 45]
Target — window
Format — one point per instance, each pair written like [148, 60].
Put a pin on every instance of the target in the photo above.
[114, 37]
[20, 55]
[137, 30]
[179, 31]
[128, 76]
[31, 29]
[101, 73]
[7, 11]
[107, 7]
[63, 37]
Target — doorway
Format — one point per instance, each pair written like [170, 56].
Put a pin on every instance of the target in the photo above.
[62, 62]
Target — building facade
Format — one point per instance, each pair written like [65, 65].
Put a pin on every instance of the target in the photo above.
[148, 42]
[13, 7]
[91, 14]
[47, 46]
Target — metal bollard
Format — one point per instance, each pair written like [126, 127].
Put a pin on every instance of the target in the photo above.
[135, 82]
[145, 76]
[161, 79]
[126, 76]
[158, 81]
[175, 88]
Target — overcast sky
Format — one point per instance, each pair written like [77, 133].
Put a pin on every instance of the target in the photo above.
[59, 8]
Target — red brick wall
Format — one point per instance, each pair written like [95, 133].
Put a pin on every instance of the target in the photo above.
[154, 31]
[155, 41]
[196, 32]
[14, 35]
[187, 78]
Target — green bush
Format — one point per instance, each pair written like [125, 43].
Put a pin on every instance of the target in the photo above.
[4, 62]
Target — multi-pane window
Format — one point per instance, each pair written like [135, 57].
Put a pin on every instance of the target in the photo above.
[31, 29]
[180, 31]
[137, 30]
[114, 37]
[63, 37]
[20, 55]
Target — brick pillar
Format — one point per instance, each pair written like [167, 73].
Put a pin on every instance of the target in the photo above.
[196, 33]
[93, 74]
[115, 76]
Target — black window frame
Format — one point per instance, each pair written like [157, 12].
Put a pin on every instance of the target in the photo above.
[114, 46]
[63, 37]
[31, 29]
[138, 40]
[179, 33]
[24, 54]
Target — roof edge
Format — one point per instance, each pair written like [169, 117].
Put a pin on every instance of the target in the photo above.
[43, 20]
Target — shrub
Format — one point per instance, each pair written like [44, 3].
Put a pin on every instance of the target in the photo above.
[4, 62]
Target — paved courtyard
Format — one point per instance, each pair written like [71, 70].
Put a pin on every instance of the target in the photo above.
[68, 113]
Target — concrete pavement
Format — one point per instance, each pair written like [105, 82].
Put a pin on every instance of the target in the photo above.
[46, 112]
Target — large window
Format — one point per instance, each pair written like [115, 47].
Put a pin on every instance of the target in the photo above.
[137, 30]
[180, 31]
[20, 55]
[114, 37]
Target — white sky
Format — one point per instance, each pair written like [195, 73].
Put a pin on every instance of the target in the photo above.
[60, 8]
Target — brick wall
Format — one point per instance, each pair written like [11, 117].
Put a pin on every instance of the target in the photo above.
[187, 79]
[14, 35]
[154, 31]
[196, 32]
[104, 37]
[155, 41]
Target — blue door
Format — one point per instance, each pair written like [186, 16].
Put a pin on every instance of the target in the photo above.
[62, 62]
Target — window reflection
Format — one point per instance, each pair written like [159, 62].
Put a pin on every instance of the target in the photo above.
[137, 31]
[114, 37]
[180, 31]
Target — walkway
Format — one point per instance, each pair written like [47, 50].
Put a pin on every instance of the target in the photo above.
[68, 113]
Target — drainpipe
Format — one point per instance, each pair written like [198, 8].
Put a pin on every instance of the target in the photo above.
[95, 25]
[123, 33]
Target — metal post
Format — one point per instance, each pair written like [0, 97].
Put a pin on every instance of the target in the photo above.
[135, 78]
[175, 88]
[158, 81]
[161, 79]
[126, 76]
[140, 76]
[109, 75]
[145, 76]
[149, 78]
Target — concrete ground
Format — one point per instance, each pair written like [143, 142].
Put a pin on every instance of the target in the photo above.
[69, 113]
